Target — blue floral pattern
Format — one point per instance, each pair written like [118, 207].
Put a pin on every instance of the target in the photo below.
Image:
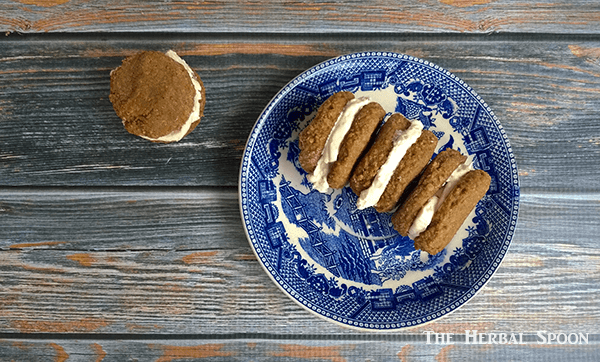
[348, 265]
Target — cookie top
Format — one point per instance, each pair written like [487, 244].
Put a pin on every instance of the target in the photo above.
[433, 178]
[155, 96]
[446, 221]
[313, 138]
[367, 168]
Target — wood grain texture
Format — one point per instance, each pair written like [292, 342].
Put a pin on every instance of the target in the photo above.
[114, 249]
[57, 126]
[464, 16]
[366, 349]
[179, 263]
[124, 219]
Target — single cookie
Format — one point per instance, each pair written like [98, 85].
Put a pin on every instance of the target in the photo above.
[157, 96]
[312, 139]
[355, 142]
[392, 163]
[434, 176]
[453, 211]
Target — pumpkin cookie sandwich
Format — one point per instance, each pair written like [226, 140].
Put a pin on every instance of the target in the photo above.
[332, 143]
[157, 96]
[399, 154]
[445, 195]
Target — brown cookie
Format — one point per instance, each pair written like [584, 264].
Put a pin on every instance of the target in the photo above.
[434, 176]
[411, 165]
[355, 142]
[156, 96]
[409, 168]
[312, 139]
[371, 162]
[454, 210]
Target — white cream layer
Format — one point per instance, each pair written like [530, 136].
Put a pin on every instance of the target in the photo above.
[423, 218]
[425, 215]
[334, 140]
[402, 142]
[194, 115]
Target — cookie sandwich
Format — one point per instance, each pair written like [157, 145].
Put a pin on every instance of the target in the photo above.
[399, 154]
[445, 195]
[335, 139]
[157, 96]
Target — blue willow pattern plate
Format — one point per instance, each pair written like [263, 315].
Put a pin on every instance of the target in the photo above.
[350, 266]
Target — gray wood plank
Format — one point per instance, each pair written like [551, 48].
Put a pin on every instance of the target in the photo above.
[457, 16]
[113, 248]
[121, 219]
[136, 264]
[57, 126]
[365, 349]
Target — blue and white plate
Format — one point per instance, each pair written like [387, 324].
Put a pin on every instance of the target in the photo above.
[350, 266]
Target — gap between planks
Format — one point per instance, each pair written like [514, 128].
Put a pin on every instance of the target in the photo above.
[275, 37]
[417, 336]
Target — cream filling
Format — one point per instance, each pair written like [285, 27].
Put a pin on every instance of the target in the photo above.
[334, 140]
[423, 218]
[402, 142]
[194, 115]
[425, 215]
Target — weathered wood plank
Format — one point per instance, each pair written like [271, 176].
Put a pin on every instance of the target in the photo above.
[466, 16]
[162, 219]
[366, 349]
[114, 263]
[173, 275]
[57, 126]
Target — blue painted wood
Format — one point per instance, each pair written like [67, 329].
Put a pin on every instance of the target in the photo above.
[121, 261]
[113, 248]
[445, 16]
[57, 126]
[388, 348]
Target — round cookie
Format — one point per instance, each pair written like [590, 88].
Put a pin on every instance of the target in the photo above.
[433, 178]
[447, 192]
[355, 142]
[312, 139]
[453, 212]
[157, 96]
[332, 143]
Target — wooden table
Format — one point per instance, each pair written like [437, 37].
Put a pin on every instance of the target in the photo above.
[113, 248]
